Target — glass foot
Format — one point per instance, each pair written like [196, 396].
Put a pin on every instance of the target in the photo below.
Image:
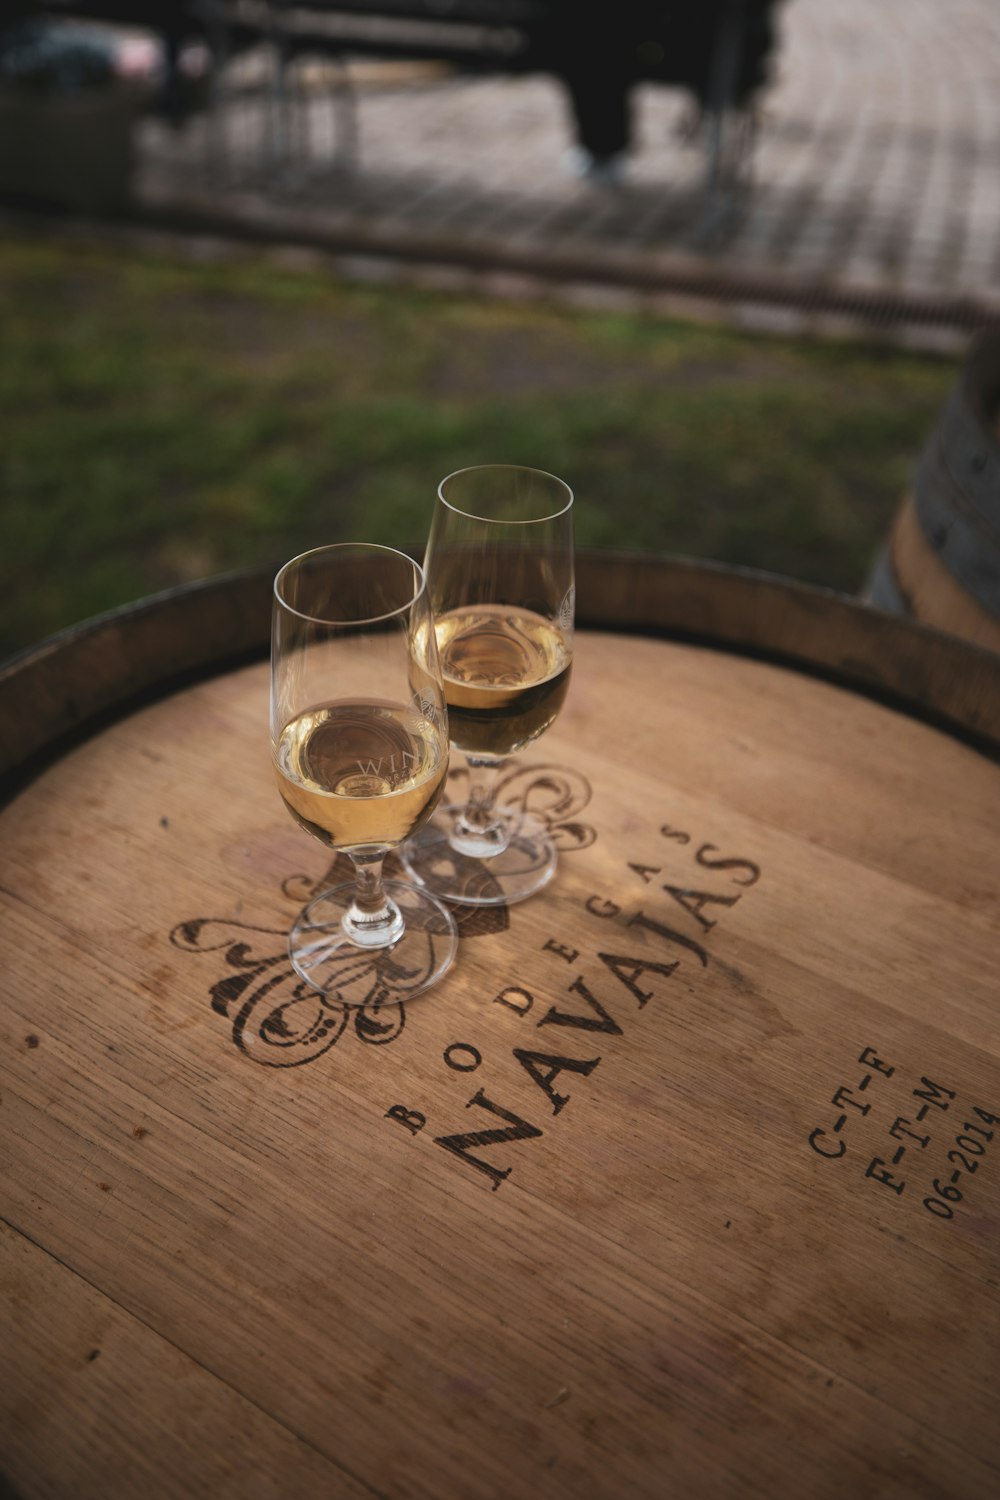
[351, 975]
[522, 867]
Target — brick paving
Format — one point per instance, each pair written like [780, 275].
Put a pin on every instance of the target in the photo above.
[876, 175]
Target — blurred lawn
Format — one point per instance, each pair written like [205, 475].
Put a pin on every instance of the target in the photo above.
[164, 421]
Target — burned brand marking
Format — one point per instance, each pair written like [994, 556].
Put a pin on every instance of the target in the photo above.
[280, 1021]
[916, 1149]
[654, 950]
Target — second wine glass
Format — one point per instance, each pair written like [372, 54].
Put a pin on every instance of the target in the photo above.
[499, 566]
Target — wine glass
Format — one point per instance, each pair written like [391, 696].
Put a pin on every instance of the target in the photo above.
[359, 739]
[499, 566]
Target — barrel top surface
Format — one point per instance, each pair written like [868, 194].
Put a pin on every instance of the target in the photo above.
[685, 1180]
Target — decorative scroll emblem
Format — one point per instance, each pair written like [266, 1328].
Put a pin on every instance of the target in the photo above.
[567, 610]
[555, 795]
[279, 1020]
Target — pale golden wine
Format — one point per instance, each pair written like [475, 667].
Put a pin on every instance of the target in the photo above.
[506, 672]
[360, 773]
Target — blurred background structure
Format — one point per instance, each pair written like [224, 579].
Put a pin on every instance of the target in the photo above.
[729, 310]
[858, 161]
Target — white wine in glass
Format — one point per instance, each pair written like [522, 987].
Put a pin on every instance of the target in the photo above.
[359, 738]
[499, 566]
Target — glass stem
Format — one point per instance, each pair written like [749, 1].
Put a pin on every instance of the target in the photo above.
[371, 920]
[478, 830]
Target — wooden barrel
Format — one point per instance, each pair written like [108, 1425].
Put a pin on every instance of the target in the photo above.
[685, 1181]
[941, 562]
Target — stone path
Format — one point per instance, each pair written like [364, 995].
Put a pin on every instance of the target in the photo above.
[876, 180]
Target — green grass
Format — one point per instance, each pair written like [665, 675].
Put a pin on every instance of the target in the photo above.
[164, 420]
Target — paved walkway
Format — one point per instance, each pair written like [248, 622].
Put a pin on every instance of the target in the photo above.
[876, 179]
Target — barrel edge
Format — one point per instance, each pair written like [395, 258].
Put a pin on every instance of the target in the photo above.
[72, 684]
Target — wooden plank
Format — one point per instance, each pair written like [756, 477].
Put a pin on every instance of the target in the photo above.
[930, 592]
[83, 1379]
[697, 1257]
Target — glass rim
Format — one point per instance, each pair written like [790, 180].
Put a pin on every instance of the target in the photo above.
[419, 580]
[510, 468]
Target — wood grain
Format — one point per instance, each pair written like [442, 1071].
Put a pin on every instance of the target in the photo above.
[725, 1056]
[89, 1375]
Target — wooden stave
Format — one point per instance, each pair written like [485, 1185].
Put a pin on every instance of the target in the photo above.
[957, 489]
[940, 563]
[911, 579]
[68, 685]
